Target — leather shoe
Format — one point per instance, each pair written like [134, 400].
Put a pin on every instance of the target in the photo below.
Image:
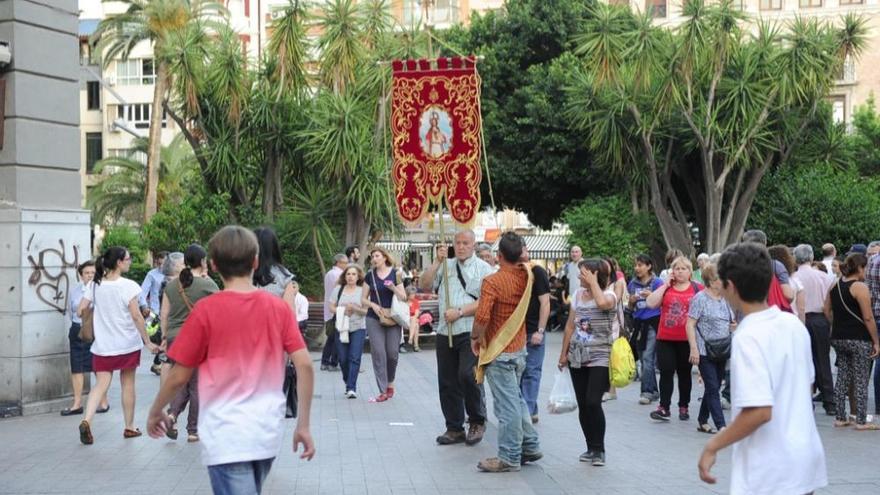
[450, 437]
[71, 412]
[475, 433]
[102, 410]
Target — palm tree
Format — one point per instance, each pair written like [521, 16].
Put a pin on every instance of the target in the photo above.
[152, 21]
[120, 194]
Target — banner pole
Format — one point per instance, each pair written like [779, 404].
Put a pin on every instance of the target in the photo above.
[445, 273]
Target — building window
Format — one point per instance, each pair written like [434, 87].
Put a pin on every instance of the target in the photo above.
[852, 2]
[772, 4]
[135, 72]
[838, 109]
[810, 3]
[442, 12]
[94, 150]
[657, 8]
[139, 115]
[847, 74]
[93, 92]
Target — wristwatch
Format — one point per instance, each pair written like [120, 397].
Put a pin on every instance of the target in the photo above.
[460, 312]
[540, 330]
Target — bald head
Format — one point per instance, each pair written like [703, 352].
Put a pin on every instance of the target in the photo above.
[464, 244]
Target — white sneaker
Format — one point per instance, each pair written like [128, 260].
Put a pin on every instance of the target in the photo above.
[351, 394]
[645, 399]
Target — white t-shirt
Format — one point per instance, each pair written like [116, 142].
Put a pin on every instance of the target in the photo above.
[302, 307]
[771, 365]
[115, 332]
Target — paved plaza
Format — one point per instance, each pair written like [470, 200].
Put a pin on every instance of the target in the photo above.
[388, 448]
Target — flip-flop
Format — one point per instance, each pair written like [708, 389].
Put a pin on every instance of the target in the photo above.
[841, 424]
[85, 433]
[128, 433]
[102, 410]
[705, 428]
[868, 427]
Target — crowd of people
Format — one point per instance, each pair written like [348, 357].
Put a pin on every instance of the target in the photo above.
[758, 323]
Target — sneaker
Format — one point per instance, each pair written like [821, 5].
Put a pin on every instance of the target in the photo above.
[530, 457]
[450, 437]
[496, 465]
[156, 369]
[192, 438]
[534, 418]
[660, 414]
[325, 367]
[587, 456]
[402, 349]
[725, 404]
[351, 394]
[598, 459]
[645, 399]
[608, 396]
[683, 414]
[475, 433]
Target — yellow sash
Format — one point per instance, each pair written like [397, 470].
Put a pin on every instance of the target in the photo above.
[509, 330]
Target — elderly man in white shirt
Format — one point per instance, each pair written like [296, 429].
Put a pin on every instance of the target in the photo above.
[815, 287]
[329, 358]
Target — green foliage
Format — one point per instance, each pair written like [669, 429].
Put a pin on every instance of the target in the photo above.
[818, 203]
[864, 142]
[194, 220]
[130, 239]
[606, 226]
[538, 160]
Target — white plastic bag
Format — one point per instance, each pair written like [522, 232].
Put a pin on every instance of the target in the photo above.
[562, 398]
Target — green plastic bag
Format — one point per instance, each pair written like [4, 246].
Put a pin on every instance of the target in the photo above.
[622, 364]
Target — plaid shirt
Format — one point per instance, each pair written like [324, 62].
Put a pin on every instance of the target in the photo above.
[872, 278]
[499, 297]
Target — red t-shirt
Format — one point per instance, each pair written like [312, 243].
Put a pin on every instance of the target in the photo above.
[239, 342]
[674, 312]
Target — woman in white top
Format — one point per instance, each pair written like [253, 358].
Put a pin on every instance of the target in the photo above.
[348, 294]
[119, 336]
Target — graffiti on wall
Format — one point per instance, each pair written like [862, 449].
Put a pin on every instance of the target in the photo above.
[49, 277]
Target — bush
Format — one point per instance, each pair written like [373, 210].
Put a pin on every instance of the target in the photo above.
[606, 226]
[127, 237]
[194, 220]
[816, 204]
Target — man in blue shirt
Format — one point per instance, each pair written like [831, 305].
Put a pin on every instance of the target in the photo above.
[151, 297]
[645, 321]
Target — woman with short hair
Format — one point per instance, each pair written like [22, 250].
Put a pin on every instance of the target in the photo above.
[854, 338]
[119, 336]
[382, 285]
[348, 294]
[673, 352]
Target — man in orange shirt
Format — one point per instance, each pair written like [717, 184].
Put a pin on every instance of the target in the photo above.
[499, 339]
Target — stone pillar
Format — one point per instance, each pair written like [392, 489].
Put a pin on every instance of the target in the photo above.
[44, 232]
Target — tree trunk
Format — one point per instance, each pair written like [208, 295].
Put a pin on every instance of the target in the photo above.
[355, 225]
[269, 185]
[155, 146]
[317, 250]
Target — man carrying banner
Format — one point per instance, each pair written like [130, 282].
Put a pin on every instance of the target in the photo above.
[499, 339]
[459, 392]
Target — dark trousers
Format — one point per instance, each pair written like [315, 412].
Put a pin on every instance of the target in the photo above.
[459, 392]
[672, 358]
[820, 343]
[589, 385]
[712, 373]
[330, 356]
[188, 394]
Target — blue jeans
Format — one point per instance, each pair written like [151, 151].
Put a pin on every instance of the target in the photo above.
[239, 478]
[712, 373]
[649, 357]
[530, 382]
[515, 432]
[350, 357]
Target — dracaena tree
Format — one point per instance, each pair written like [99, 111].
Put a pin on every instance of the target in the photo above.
[153, 22]
[704, 110]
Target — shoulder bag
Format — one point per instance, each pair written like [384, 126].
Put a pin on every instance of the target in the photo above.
[385, 321]
[839, 296]
[717, 350]
[87, 327]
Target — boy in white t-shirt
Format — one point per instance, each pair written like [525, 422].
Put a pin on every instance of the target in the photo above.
[776, 447]
[239, 339]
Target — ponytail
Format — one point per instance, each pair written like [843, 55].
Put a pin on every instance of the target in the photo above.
[99, 270]
[193, 257]
[108, 262]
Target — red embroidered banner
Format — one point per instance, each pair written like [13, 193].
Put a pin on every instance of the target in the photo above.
[435, 127]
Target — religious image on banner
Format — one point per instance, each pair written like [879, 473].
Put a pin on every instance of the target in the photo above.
[435, 125]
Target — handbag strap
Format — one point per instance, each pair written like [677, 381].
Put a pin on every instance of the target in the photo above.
[182, 291]
[845, 305]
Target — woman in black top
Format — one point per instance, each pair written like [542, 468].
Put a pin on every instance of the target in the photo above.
[854, 338]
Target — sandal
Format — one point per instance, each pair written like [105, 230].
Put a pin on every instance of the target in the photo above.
[129, 433]
[171, 431]
[379, 398]
[85, 433]
[102, 410]
[841, 424]
[705, 428]
[868, 427]
[192, 437]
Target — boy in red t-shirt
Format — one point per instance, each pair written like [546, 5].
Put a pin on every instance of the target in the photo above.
[239, 339]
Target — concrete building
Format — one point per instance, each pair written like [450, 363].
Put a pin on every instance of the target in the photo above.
[44, 233]
[115, 99]
[858, 79]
